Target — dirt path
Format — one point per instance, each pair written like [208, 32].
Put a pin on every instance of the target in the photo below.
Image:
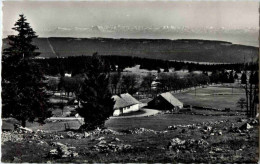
[148, 112]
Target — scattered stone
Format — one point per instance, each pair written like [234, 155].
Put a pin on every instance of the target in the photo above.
[62, 151]
[104, 147]
[172, 127]
[235, 130]
[246, 126]
[99, 131]
[17, 160]
[140, 131]
[57, 137]
[225, 128]
[241, 120]
[183, 131]
[208, 128]
[178, 145]
[86, 134]
[220, 133]
[205, 137]
[21, 129]
[13, 137]
[116, 139]
[100, 138]
[40, 131]
[202, 143]
[74, 135]
[204, 131]
[217, 149]
[54, 153]
[253, 122]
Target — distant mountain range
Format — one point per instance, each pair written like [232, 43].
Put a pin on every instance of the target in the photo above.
[182, 50]
[119, 28]
[246, 36]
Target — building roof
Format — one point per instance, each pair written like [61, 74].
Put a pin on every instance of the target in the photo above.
[119, 102]
[171, 99]
[124, 100]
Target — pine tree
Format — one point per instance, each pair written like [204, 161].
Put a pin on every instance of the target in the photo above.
[24, 95]
[95, 97]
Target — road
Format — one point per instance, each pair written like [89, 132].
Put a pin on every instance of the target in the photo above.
[148, 112]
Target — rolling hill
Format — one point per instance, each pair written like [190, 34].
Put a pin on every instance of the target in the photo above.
[184, 50]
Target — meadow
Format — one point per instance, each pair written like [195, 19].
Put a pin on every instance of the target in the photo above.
[212, 97]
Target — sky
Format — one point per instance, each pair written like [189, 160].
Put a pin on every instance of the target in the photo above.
[47, 15]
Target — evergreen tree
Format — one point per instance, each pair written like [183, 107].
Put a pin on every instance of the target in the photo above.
[244, 78]
[231, 77]
[95, 97]
[24, 89]
[236, 76]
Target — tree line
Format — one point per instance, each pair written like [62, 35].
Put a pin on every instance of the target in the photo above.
[77, 65]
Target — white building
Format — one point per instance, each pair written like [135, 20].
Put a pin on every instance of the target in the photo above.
[125, 103]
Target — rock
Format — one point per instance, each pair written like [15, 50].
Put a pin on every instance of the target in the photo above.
[40, 131]
[105, 147]
[41, 142]
[11, 136]
[116, 139]
[172, 127]
[212, 134]
[24, 129]
[100, 138]
[102, 142]
[86, 134]
[205, 137]
[246, 126]
[70, 134]
[220, 133]
[53, 153]
[253, 122]
[17, 160]
[241, 120]
[57, 137]
[208, 128]
[183, 131]
[217, 149]
[75, 154]
[202, 143]
[235, 130]
[176, 144]
[204, 131]
[242, 134]
[141, 130]
[62, 151]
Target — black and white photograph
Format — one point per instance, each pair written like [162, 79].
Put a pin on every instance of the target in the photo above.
[129, 81]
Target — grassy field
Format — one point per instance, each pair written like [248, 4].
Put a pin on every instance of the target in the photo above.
[158, 122]
[161, 121]
[212, 97]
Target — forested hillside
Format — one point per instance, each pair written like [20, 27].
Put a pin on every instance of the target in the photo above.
[190, 50]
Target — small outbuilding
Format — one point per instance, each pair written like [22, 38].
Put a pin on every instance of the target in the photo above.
[165, 101]
[125, 103]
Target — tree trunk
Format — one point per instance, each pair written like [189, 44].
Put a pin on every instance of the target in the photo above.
[23, 123]
[246, 100]
[250, 101]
